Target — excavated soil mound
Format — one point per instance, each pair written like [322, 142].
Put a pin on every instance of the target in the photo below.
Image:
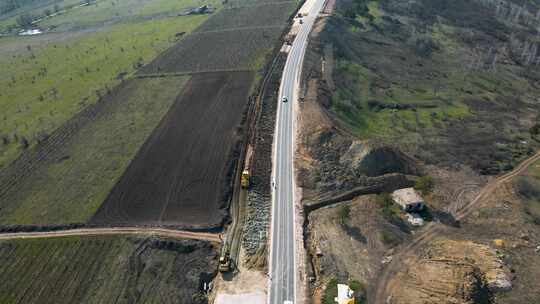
[447, 281]
[451, 271]
[375, 161]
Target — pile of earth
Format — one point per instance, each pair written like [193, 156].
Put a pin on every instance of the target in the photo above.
[372, 160]
[341, 163]
[450, 271]
[351, 246]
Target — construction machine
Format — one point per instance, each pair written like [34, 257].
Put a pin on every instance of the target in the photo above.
[244, 179]
[225, 259]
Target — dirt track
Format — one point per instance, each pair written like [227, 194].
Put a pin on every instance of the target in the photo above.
[211, 237]
[432, 229]
[181, 175]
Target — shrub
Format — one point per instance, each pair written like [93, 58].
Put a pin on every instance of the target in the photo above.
[389, 239]
[389, 210]
[24, 143]
[359, 290]
[25, 20]
[344, 214]
[424, 47]
[528, 187]
[424, 184]
[330, 292]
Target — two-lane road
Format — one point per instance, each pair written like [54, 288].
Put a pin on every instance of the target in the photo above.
[282, 278]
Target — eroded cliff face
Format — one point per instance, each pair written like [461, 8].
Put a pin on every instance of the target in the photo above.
[450, 271]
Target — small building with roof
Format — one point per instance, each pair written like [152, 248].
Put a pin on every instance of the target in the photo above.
[409, 200]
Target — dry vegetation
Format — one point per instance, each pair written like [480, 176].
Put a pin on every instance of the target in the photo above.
[449, 83]
[444, 90]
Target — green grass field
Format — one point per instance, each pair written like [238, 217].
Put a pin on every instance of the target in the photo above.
[103, 270]
[352, 104]
[42, 86]
[71, 186]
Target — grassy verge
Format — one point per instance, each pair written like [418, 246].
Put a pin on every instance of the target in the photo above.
[79, 176]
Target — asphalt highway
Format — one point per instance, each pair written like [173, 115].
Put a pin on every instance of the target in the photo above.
[282, 276]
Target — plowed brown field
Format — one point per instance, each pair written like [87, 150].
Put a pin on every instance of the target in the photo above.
[181, 176]
[214, 51]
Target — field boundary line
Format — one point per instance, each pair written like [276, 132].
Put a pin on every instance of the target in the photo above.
[188, 73]
[258, 4]
[242, 28]
[165, 232]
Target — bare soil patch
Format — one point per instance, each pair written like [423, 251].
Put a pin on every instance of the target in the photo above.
[182, 174]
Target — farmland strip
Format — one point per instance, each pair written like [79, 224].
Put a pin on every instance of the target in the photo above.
[245, 28]
[152, 191]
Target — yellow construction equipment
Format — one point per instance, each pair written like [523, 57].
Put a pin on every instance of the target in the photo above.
[498, 243]
[224, 259]
[244, 179]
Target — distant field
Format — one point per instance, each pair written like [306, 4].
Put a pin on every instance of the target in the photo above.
[73, 15]
[43, 86]
[78, 138]
[231, 18]
[236, 38]
[238, 49]
[114, 11]
[104, 270]
[71, 174]
[34, 8]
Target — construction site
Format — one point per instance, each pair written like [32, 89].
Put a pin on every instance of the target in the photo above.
[416, 163]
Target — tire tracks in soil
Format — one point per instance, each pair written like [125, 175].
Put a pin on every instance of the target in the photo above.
[432, 229]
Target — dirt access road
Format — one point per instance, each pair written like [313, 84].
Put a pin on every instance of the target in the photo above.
[432, 229]
[182, 175]
[163, 232]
